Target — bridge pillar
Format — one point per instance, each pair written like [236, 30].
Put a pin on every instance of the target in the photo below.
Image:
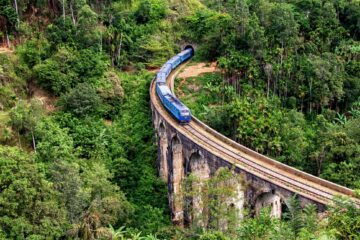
[236, 203]
[232, 198]
[163, 146]
[199, 168]
[176, 181]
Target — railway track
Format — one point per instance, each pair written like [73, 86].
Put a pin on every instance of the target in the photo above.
[256, 167]
[289, 178]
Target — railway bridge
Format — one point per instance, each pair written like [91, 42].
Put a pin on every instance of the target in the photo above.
[201, 151]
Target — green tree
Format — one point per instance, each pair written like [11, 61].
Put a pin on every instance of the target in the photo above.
[35, 114]
[150, 10]
[81, 100]
[24, 189]
[106, 203]
[33, 51]
[295, 139]
[344, 217]
[8, 19]
[281, 26]
[54, 143]
[56, 74]
[90, 66]
[258, 227]
[255, 37]
[25, 118]
[18, 118]
[257, 122]
[88, 33]
[66, 178]
[294, 216]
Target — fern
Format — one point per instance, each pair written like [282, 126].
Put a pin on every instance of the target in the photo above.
[294, 216]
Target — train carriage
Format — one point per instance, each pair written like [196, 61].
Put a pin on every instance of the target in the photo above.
[174, 61]
[176, 108]
[166, 69]
[186, 54]
[161, 78]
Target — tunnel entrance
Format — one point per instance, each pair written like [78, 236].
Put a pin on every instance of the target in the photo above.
[189, 47]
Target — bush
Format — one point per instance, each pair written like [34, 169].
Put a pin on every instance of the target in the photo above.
[81, 100]
[150, 10]
[56, 74]
[33, 51]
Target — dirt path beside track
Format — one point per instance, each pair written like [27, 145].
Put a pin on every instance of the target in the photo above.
[197, 69]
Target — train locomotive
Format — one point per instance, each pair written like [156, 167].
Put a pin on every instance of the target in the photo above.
[174, 106]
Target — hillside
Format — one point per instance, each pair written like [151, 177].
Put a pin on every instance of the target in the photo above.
[78, 154]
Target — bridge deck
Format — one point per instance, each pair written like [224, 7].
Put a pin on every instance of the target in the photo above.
[296, 181]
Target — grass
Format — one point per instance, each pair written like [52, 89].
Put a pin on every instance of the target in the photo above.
[4, 118]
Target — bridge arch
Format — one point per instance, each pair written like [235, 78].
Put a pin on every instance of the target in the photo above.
[198, 165]
[162, 130]
[271, 199]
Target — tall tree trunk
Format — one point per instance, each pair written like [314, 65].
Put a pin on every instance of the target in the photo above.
[33, 141]
[72, 13]
[19, 139]
[120, 45]
[63, 9]
[17, 10]
[112, 59]
[101, 41]
[310, 96]
[7, 40]
[319, 162]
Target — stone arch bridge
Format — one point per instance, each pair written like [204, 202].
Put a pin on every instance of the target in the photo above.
[196, 148]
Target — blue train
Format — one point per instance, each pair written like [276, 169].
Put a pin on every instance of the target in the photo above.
[171, 103]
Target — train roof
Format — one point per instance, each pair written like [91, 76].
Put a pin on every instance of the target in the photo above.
[165, 66]
[164, 89]
[186, 51]
[176, 102]
[160, 73]
[173, 59]
[161, 77]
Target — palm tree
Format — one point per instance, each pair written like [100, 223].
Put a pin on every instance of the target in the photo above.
[117, 234]
[341, 118]
[89, 228]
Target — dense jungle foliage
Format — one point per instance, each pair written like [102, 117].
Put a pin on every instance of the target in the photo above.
[77, 153]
